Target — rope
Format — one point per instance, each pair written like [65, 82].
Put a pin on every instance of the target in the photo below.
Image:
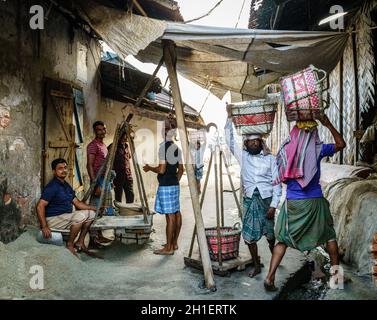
[239, 16]
[204, 103]
[207, 14]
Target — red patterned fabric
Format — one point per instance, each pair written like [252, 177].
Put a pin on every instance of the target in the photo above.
[253, 119]
[229, 243]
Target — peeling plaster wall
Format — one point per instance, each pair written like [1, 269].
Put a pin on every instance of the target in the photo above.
[26, 57]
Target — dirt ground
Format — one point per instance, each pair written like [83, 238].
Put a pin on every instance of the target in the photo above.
[133, 271]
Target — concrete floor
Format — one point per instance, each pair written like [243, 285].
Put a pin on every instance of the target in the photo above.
[133, 271]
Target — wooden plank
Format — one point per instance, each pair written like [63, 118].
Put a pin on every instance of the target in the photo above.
[60, 94]
[120, 222]
[238, 264]
[169, 53]
[60, 144]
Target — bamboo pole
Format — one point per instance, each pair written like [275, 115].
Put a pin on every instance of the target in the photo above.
[341, 105]
[169, 52]
[357, 98]
[108, 168]
[218, 222]
[140, 185]
[232, 186]
[221, 189]
[147, 86]
[201, 203]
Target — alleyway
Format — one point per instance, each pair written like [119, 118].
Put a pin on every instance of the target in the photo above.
[134, 272]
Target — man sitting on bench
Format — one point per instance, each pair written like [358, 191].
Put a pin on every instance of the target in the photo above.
[55, 210]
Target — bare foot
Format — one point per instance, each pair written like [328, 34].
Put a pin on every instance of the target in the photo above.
[254, 271]
[164, 251]
[72, 249]
[83, 248]
[175, 246]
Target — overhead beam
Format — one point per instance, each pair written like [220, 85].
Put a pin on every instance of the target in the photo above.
[169, 54]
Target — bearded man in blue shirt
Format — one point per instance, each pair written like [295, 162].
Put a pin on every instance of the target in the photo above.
[260, 196]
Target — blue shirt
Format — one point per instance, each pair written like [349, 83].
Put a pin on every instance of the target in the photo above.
[313, 189]
[59, 196]
[257, 171]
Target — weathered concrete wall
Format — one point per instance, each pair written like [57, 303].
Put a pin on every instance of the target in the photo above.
[147, 139]
[26, 57]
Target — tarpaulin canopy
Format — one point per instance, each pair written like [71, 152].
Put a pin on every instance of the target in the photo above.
[220, 59]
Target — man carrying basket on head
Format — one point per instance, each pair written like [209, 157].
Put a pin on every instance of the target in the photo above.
[260, 198]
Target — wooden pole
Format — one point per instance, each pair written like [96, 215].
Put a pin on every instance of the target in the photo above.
[218, 222]
[341, 104]
[147, 86]
[169, 52]
[140, 185]
[201, 203]
[139, 8]
[357, 98]
[109, 167]
[232, 186]
[221, 189]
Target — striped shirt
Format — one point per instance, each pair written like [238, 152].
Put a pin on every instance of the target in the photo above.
[99, 150]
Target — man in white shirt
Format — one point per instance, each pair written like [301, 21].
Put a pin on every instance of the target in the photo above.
[260, 196]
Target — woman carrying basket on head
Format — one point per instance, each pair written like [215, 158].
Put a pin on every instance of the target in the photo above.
[260, 198]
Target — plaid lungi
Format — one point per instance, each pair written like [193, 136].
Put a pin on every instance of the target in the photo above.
[167, 199]
[255, 222]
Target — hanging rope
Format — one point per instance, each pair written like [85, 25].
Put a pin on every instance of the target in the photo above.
[239, 16]
[205, 15]
[204, 103]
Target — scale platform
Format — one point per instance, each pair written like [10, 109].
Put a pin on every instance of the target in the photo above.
[238, 264]
[135, 222]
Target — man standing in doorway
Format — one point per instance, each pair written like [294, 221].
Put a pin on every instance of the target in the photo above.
[260, 198]
[169, 173]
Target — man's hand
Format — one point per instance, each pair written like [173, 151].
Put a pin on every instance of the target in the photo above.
[325, 121]
[147, 168]
[271, 213]
[46, 232]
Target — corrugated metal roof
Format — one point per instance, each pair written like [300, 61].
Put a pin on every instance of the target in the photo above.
[128, 81]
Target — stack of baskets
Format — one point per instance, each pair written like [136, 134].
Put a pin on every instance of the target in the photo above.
[302, 94]
[229, 240]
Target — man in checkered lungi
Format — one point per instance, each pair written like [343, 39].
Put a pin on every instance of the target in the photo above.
[169, 173]
[260, 198]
